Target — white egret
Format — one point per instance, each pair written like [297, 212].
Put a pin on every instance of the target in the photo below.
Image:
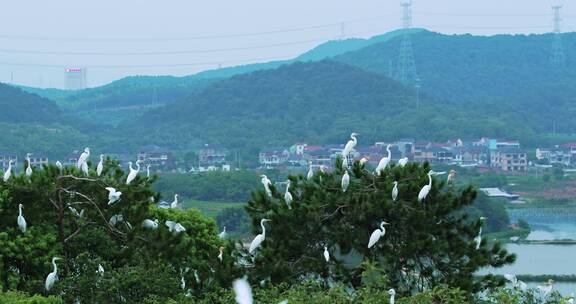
[384, 161]
[28, 166]
[478, 238]
[451, 177]
[59, 166]
[85, 169]
[392, 294]
[150, 224]
[515, 282]
[259, 238]
[514, 238]
[21, 220]
[266, 182]
[243, 291]
[570, 301]
[345, 181]
[100, 166]
[350, 145]
[83, 158]
[345, 162]
[310, 173]
[363, 161]
[547, 288]
[53, 276]
[133, 172]
[288, 196]
[403, 161]
[75, 212]
[395, 191]
[113, 195]
[182, 283]
[222, 234]
[147, 171]
[8, 172]
[100, 270]
[115, 219]
[174, 227]
[424, 191]
[174, 203]
[377, 234]
[221, 254]
[326, 254]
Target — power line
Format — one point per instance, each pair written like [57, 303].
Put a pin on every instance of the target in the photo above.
[479, 15]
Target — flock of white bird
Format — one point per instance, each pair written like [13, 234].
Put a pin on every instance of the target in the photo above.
[114, 196]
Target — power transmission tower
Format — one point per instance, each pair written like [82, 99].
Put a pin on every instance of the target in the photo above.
[406, 70]
[557, 57]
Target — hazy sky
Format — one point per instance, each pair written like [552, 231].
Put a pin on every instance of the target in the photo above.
[38, 39]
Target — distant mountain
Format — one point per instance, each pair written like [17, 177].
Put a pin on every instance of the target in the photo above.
[18, 106]
[320, 102]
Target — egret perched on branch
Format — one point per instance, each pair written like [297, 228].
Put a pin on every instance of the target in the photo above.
[8, 172]
[395, 191]
[288, 195]
[100, 270]
[115, 219]
[377, 234]
[350, 145]
[384, 161]
[59, 166]
[133, 172]
[28, 166]
[150, 224]
[392, 294]
[326, 254]
[424, 191]
[83, 158]
[174, 203]
[478, 238]
[363, 161]
[243, 291]
[547, 288]
[345, 181]
[266, 182]
[53, 276]
[222, 234]
[75, 212]
[310, 173]
[403, 161]
[147, 171]
[221, 254]
[515, 282]
[113, 195]
[85, 168]
[451, 177]
[100, 166]
[21, 220]
[174, 227]
[259, 238]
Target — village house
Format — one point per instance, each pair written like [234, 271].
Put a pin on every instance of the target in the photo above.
[554, 156]
[154, 156]
[509, 159]
[5, 159]
[273, 157]
[212, 155]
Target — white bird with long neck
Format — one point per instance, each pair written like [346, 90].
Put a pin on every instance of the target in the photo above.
[403, 161]
[21, 220]
[384, 161]
[392, 294]
[287, 195]
[100, 166]
[222, 234]
[147, 171]
[377, 234]
[83, 158]
[113, 195]
[85, 169]
[310, 173]
[259, 238]
[426, 189]
[8, 172]
[28, 166]
[174, 203]
[345, 181]
[266, 182]
[350, 145]
[326, 254]
[478, 238]
[395, 191]
[150, 224]
[53, 276]
[59, 166]
[133, 172]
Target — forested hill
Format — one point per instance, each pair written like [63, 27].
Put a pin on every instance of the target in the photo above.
[18, 106]
[483, 71]
[320, 102]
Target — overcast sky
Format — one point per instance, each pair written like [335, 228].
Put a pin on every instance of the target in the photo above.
[38, 39]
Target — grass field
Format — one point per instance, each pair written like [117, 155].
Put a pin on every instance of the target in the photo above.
[211, 209]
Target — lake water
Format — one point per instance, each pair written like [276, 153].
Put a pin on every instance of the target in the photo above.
[548, 223]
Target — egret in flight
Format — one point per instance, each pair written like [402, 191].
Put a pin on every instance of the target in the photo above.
[310, 172]
[100, 166]
[222, 234]
[384, 161]
[259, 238]
[426, 189]
[395, 191]
[150, 224]
[345, 181]
[377, 234]
[133, 172]
[350, 145]
[8, 172]
[243, 291]
[174, 203]
[392, 294]
[266, 182]
[326, 254]
[53, 276]
[21, 220]
[403, 161]
[28, 166]
[288, 195]
[113, 195]
[83, 158]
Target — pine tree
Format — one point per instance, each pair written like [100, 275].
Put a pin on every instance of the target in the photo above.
[427, 244]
